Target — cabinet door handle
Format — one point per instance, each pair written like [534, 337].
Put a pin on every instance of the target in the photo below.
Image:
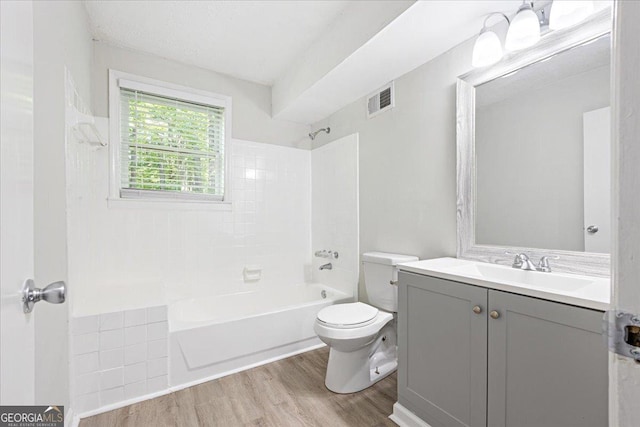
[494, 314]
[477, 309]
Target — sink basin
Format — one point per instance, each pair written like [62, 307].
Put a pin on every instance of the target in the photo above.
[555, 281]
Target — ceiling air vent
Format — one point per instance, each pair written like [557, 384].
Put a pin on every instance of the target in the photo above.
[381, 100]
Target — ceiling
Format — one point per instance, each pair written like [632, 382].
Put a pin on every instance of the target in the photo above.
[318, 56]
[419, 34]
[251, 40]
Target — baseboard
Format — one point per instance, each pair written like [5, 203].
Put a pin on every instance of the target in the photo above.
[179, 387]
[123, 403]
[71, 419]
[405, 418]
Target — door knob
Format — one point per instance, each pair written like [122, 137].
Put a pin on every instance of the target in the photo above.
[494, 314]
[55, 293]
[477, 309]
[592, 229]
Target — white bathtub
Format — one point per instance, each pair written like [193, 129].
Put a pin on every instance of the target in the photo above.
[216, 335]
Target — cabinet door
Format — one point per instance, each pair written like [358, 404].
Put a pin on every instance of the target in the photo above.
[442, 344]
[547, 364]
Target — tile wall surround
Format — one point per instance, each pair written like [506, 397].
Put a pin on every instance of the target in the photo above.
[335, 219]
[118, 356]
[185, 253]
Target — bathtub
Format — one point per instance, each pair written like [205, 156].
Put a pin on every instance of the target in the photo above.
[214, 336]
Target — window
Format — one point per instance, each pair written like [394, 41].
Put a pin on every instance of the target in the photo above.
[172, 141]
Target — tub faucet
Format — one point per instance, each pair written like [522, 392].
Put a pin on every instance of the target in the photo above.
[326, 266]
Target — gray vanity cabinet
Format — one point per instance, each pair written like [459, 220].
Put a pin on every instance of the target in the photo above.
[547, 364]
[470, 356]
[442, 351]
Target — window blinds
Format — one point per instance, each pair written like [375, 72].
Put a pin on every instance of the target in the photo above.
[171, 148]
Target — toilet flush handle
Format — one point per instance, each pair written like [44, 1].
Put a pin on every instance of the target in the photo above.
[393, 282]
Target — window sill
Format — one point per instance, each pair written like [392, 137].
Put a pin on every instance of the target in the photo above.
[167, 204]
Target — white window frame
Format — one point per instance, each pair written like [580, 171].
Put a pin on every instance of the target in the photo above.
[118, 80]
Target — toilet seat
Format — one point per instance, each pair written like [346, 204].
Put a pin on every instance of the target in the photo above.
[348, 316]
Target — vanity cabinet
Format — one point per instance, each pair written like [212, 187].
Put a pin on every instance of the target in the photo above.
[472, 356]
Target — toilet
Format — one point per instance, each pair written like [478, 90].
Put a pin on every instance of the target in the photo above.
[362, 337]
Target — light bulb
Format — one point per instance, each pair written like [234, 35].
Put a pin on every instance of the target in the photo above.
[524, 30]
[487, 49]
[565, 13]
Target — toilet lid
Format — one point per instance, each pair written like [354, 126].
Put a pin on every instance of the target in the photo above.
[345, 315]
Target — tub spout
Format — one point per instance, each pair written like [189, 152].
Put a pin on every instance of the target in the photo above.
[327, 266]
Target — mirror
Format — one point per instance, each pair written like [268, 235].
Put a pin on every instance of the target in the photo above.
[542, 138]
[533, 164]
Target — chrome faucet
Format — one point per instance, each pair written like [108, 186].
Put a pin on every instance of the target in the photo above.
[326, 266]
[523, 262]
[543, 264]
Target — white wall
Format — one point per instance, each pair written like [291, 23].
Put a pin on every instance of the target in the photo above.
[61, 39]
[251, 101]
[116, 250]
[334, 201]
[407, 161]
[529, 159]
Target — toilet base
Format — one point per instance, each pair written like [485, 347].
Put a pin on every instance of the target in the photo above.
[350, 372]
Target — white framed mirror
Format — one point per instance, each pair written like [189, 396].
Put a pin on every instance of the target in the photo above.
[533, 153]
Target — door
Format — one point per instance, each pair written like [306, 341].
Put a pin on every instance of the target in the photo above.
[597, 180]
[16, 201]
[442, 344]
[547, 364]
[624, 388]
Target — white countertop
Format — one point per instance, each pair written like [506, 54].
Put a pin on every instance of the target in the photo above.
[582, 291]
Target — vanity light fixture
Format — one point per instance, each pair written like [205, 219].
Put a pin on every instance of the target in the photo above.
[565, 13]
[526, 27]
[524, 30]
[488, 49]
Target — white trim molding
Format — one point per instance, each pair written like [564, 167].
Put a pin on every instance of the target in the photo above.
[71, 419]
[405, 418]
[592, 264]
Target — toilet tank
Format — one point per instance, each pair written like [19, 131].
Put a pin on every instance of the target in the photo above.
[380, 269]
